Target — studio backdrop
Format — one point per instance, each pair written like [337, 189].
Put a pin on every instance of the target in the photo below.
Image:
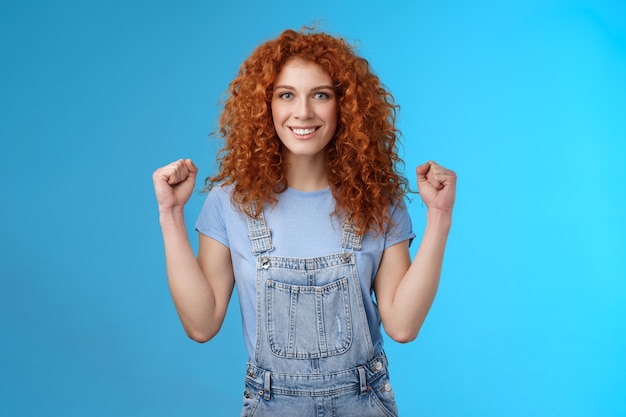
[526, 101]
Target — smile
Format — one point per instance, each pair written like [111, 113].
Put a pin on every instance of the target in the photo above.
[302, 132]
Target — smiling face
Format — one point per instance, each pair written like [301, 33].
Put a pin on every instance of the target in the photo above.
[304, 110]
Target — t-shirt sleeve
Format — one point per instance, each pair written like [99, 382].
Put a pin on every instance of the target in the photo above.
[401, 228]
[211, 220]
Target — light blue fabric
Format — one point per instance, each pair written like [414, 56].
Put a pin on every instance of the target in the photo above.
[314, 350]
[311, 308]
[302, 227]
[362, 392]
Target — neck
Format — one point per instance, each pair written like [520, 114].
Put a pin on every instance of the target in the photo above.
[305, 174]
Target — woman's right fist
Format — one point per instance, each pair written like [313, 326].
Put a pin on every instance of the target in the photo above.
[174, 183]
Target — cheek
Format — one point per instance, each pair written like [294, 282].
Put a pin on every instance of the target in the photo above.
[332, 117]
[277, 114]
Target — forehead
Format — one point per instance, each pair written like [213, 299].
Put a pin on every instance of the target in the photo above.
[299, 71]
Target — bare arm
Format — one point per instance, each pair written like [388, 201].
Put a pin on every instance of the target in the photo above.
[202, 287]
[404, 290]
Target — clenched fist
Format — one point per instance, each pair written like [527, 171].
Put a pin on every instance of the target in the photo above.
[174, 183]
[437, 186]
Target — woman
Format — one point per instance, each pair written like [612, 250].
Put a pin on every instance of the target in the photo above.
[306, 216]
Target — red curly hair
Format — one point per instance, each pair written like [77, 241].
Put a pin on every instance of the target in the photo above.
[362, 157]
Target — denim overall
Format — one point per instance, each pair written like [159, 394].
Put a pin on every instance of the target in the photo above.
[313, 355]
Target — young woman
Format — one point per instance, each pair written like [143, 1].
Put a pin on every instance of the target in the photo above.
[307, 217]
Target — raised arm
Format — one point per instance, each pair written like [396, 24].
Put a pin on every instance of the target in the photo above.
[405, 290]
[201, 287]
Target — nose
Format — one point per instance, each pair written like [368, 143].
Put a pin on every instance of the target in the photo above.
[304, 109]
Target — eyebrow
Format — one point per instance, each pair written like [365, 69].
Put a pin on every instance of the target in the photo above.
[321, 87]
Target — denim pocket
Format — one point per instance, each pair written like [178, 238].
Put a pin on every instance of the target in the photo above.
[383, 397]
[250, 400]
[308, 322]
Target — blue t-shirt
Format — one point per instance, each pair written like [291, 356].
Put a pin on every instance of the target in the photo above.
[302, 227]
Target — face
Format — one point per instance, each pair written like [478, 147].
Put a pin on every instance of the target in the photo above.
[304, 109]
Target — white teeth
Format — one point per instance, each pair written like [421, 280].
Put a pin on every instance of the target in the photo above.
[303, 131]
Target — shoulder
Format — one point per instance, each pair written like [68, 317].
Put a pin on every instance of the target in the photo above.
[220, 191]
[219, 197]
[216, 206]
[398, 207]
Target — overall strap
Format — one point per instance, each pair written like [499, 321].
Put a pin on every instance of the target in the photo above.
[349, 238]
[258, 232]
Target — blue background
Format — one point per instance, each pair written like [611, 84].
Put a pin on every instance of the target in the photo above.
[525, 100]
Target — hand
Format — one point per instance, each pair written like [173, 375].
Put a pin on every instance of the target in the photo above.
[174, 183]
[437, 186]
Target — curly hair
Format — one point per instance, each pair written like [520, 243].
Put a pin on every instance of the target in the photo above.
[362, 157]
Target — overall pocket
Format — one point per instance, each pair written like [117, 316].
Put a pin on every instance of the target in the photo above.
[308, 322]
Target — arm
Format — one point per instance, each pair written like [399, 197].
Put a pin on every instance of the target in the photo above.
[201, 288]
[404, 290]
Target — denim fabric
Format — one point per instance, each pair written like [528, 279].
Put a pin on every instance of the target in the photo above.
[314, 354]
[364, 391]
[302, 227]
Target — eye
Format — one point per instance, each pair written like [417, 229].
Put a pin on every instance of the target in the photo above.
[321, 95]
[285, 95]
